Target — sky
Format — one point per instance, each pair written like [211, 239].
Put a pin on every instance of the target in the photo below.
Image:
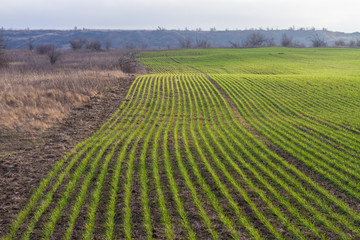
[334, 15]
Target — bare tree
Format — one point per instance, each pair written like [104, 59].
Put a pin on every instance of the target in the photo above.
[270, 42]
[256, 39]
[203, 44]
[159, 28]
[50, 51]
[128, 64]
[185, 42]
[318, 41]
[144, 46]
[94, 45]
[297, 44]
[77, 44]
[286, 41]
[129, 46]
[53, 56]
[107, 45]
[3, 58]
[340, 43]
[234, 44]
[2, 42]
[31, 44]
[352, 43]
[357, 44]
[44, 49]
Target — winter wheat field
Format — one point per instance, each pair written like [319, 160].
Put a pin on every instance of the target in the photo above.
[215, 144]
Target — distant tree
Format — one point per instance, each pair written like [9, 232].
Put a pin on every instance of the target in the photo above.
[185, 42]
[256, 39]
[340, 43]
[31, 44]
[297, 44]
[286, 41]
[270, 42]
[129, 46]
[53, 56]
[203, 44]
[107, 45]
[2, 42]
[159, 28]
[94, 45]
[357, 44]
[77, 44]
[144, 46]
[352, 43]
[3, 58]
[44, 49]
[234, 44]
[50, 51]
[128, 64]
[318, 41]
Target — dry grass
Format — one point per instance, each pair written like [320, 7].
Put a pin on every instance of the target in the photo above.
[34, 94]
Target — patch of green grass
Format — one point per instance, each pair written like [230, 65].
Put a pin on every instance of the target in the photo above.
[264, 141]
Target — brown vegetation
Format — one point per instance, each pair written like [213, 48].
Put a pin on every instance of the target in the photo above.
[184, 42]
[77, 44]
[256, 39]
[3, 59]
[93, 45]
[318, 41]
[35, 94]
[203, 44]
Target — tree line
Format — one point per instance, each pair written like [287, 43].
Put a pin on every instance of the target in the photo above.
[254, 40]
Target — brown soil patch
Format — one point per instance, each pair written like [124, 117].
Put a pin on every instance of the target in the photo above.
[25, 158]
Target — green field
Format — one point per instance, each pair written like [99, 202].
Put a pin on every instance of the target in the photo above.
[216, 144]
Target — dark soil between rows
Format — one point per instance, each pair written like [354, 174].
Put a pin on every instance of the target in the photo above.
[26, 158]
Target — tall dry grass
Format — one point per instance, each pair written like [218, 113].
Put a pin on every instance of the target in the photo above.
[35, 94]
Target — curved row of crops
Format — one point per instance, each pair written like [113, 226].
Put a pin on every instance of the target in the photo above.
[284, 122]
[194, 157]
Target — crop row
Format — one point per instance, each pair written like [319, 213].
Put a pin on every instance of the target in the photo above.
[175, 161]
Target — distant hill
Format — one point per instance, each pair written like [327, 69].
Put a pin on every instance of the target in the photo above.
[163, 39]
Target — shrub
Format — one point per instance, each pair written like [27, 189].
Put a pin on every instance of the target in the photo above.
[107, 45]
[50, 51]
[256, 39]
[352, 43]
[128, 64]
[234, 44]
[44, 49]
[286, 41]
[77, 44]
[94, 45]
[203, 44]
[184, 42]
[339, 43]
[270, 42]
[53, 56]
[318, 41]
[3, 58]
[31, 44]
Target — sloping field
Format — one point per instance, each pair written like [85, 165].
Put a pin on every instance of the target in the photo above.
[216, 144]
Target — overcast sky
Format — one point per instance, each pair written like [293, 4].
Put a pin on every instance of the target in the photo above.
[336, 15]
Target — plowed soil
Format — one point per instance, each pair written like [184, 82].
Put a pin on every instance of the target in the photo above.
[25, 158]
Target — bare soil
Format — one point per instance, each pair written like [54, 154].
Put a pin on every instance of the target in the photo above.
[26, 157]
